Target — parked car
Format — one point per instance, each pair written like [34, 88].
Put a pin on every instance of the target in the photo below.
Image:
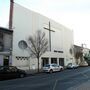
[72, 66]
[7, 72]
[52, 68]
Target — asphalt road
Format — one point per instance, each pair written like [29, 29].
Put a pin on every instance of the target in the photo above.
[64, 80]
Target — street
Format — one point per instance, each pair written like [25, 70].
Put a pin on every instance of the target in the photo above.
[66, 80]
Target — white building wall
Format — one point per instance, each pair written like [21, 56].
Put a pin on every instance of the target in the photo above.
[26, 23]
[67, 44]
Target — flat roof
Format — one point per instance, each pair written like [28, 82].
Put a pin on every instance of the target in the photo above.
[6, 30]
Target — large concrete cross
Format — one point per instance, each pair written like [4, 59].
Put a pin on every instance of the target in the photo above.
[49, 33]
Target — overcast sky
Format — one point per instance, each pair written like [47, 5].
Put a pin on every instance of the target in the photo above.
[74, 14]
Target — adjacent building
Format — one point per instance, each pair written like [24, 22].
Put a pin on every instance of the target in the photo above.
[6, 37]
[79, 53]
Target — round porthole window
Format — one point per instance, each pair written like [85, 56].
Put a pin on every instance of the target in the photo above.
[70, 51]
[22, 44]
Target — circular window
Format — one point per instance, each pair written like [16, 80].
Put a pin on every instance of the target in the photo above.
[70, 51]
[22, 44]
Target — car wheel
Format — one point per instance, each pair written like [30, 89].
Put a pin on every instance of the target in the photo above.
[61, 69]
[51, 71]
[22, 75]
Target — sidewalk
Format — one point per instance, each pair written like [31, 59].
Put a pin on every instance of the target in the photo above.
[84, 86]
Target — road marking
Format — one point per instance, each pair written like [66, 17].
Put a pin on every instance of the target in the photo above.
[55, 84]
[85, 75]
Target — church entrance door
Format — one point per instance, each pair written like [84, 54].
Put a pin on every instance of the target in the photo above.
[6, 61]
[45, 61]
[61, 61]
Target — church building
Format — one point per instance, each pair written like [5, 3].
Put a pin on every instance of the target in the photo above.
[24, 23]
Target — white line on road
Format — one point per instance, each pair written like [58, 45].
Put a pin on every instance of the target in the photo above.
[55, 84]
[85, 75]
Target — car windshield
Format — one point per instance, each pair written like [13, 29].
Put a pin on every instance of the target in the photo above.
[55, 65]
[47, 65]
[69, 64]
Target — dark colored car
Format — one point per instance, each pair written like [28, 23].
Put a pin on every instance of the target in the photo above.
[8, 72]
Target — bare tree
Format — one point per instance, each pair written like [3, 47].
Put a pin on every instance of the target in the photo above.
[79, 55]
[38, 45]
[87, 58]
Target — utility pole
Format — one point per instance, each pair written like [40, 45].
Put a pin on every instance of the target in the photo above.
[11, 14]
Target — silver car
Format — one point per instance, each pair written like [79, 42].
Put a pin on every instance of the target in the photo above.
[72, 66]
[52, 68]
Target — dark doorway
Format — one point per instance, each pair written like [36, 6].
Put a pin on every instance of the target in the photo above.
[54, 60]
[6, 60]
[45, 61]
[61, 61]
